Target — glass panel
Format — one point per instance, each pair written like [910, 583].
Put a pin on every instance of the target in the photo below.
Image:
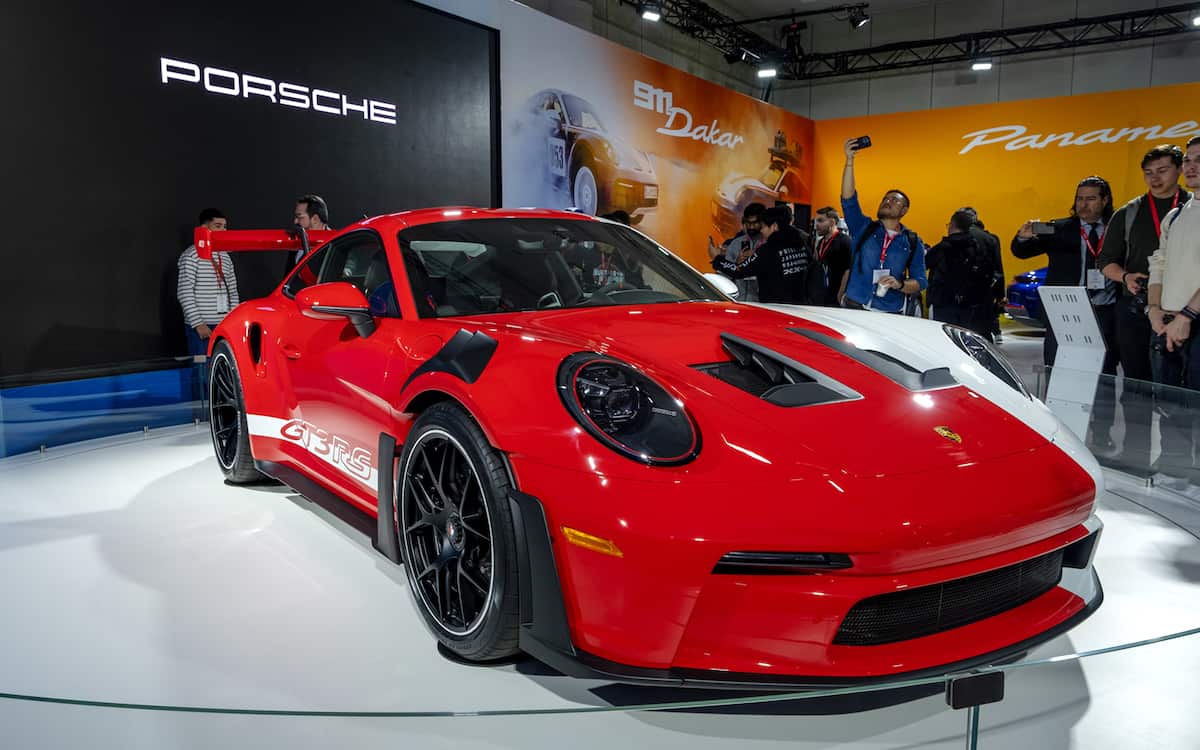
[1139, 428]
[45, 409]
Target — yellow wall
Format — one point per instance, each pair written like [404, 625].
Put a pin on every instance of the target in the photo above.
[1030, 174]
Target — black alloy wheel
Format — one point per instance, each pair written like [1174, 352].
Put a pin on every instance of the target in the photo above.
[227, 418]
[456, 535]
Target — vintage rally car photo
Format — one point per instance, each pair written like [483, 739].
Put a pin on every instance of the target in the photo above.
[599, 171]
[632, 476]
[780, 181]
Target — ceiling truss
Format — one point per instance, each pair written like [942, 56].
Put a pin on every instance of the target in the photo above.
[699, 20]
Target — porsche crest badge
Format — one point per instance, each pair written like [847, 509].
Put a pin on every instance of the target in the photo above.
[948, 433]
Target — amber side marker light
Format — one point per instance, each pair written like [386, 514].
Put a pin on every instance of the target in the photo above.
[594, 543]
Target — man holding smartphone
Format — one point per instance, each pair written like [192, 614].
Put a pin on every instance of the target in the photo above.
[739, 248]
[888, 260]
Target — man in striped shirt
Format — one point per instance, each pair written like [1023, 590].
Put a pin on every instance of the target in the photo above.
[207, 289]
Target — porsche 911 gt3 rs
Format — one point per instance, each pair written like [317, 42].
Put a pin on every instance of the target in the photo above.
[627, 474]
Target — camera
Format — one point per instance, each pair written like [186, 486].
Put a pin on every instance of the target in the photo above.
[1043, 227]
[862, 142]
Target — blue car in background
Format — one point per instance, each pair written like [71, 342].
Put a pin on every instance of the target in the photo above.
[1024, 304]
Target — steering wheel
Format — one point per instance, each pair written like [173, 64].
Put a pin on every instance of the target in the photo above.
[604, 291]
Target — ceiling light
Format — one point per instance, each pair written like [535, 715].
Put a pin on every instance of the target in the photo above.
[858, 18]
[767, 72]
[651, 11]
[1196, 20]
[736, 56]
[981, 65]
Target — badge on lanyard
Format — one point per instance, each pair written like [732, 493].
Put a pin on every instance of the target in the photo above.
[1095, 279]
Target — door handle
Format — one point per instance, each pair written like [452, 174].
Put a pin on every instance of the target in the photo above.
[291, 352]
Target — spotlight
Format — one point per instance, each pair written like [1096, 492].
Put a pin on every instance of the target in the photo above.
[766, 72]
[858, 18]
[1196, 20]
[735, 56]
[979, 65]
[651, 11]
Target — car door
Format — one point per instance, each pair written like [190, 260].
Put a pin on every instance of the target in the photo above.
[338, 378]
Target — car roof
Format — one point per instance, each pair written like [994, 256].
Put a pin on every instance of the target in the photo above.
[415, 217]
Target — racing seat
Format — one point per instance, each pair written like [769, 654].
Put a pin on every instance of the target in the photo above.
[380, 291]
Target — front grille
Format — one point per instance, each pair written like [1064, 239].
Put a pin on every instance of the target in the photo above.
[933, 609]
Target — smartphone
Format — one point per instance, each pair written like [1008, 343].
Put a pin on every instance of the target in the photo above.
[1043, 227]
[862, 142]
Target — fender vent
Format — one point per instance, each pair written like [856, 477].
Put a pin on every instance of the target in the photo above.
[255, 340]
[773, 377]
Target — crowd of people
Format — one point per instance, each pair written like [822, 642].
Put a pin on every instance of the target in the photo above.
[1138, 262]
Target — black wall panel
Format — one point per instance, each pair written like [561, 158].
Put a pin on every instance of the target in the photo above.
[105, 166]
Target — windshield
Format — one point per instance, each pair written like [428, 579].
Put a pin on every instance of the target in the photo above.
[582, 114]
[481, 266]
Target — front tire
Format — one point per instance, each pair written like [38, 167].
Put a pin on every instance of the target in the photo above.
[584, 191]
[456, 535]
[227, 418]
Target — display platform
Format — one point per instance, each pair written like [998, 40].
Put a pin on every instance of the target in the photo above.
[134, 577]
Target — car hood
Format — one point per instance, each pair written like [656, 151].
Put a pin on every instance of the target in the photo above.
[909, 430]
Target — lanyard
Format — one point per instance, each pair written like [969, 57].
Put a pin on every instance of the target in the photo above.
[1095, 251]
[887, 242]
[1154, 212]
[218, 267]
[825, 243]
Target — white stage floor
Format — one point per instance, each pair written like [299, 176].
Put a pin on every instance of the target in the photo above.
[132, 574]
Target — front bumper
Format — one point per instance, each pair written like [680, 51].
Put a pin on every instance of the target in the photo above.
[578, 663]
[661, 615]
[630, 192]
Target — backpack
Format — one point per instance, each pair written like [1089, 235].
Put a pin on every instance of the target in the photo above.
[912, 302]
[971, 277]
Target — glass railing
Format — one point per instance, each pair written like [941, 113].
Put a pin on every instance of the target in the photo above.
[1139, 428]
[48, 409]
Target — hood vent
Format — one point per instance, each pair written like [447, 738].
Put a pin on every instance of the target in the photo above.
[773, 377]
[890, 367]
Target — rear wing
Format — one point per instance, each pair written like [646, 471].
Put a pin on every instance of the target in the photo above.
[242, 240]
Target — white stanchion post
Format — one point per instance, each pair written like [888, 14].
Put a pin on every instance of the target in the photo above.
[1071, 390]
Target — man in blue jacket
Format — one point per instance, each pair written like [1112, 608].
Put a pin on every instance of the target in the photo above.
[888, 263]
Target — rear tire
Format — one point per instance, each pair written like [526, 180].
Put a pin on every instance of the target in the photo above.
[456, 535]
[227, 418]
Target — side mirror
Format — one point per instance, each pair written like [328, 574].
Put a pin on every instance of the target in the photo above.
[337, 300]
[723, 283]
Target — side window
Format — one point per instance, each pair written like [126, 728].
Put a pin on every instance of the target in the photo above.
[359, 259]
[307, 274]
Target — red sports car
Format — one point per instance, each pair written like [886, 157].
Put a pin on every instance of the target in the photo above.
[580, 448]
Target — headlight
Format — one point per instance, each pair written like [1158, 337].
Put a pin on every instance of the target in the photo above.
[626, 410]
[982, 351]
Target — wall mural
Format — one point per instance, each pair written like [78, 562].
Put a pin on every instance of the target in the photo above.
[592, 125]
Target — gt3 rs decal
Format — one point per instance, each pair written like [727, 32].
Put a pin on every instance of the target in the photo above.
[353, 461]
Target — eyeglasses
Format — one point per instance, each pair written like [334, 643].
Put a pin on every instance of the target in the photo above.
[893, 199]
